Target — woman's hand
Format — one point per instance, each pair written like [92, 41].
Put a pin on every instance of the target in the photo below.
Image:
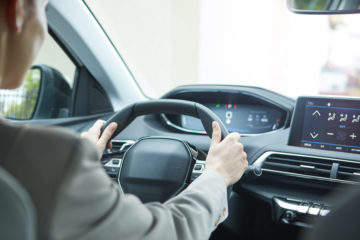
[93, 134]
[227, 157]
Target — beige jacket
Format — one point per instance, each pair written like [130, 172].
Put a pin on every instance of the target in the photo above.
[75, 199]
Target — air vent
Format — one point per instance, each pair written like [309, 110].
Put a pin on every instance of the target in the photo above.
[305, 166]
[349, 171]
[299, 165]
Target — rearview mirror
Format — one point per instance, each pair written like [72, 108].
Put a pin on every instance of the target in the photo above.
[324, 6]
[44, 94]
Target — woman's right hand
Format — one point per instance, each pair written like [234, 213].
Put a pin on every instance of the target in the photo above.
[226, 157]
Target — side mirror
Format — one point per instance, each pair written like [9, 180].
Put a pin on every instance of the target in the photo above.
[324, 6]
[44, 94]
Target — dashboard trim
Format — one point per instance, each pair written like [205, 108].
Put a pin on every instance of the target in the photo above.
[125, 143]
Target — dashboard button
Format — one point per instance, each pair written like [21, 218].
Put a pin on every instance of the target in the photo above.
[112, 170]
[303, 207]
[324, 211]
[197, 167]
[314, 209]
[115, 161]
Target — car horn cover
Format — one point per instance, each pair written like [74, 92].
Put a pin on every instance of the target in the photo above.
[156, 168]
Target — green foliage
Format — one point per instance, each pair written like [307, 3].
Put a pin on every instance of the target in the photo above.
[20, 103]
[315, 5]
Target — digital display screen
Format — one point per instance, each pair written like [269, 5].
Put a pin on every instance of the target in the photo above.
[246, 119]
[328, 124]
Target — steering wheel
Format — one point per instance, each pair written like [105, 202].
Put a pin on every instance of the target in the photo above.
[157, 168]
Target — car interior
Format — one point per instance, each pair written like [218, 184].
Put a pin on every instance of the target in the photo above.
[303, 152]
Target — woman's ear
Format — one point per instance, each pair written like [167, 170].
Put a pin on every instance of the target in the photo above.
[15, 15]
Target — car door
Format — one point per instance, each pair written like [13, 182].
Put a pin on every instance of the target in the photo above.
[87, 65]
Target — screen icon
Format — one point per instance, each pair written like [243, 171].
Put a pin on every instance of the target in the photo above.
[356, 119]
[314, 135]
[316, 113]
[228, 116]
[332, 116]
[353, 136]
[343, 117]
[264, 119]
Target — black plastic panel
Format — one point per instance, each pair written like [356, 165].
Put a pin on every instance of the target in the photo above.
[155, 169]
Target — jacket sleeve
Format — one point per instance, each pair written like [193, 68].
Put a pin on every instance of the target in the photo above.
[91, 206]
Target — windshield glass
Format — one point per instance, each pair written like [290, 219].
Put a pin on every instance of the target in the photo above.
[167, 43]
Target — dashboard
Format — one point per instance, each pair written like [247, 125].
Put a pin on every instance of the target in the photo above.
[307, 150]
[242, 118]
[240, 110]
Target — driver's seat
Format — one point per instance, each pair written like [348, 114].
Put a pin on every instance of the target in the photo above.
[17, 215]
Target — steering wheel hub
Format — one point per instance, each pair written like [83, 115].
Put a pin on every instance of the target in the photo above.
[156, 168]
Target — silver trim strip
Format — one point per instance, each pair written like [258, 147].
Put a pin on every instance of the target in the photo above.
[286, 205]
[260, 161]
[307, 166]
[124, 142]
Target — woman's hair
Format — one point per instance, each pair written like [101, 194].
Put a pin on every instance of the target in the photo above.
[7, 7]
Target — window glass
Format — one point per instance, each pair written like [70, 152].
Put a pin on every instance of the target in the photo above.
[53, 56]
[167, 43]
[22, 103]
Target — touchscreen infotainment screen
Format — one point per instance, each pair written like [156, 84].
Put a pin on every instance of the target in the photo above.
[327, 123]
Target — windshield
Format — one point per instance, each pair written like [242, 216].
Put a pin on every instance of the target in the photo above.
[167, 43]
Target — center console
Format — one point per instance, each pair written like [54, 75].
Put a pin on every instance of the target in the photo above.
[326, 134]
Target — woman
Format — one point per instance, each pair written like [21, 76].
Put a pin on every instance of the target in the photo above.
[73, 196]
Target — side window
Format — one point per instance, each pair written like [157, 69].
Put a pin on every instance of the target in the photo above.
[47, 89]
[52, 55]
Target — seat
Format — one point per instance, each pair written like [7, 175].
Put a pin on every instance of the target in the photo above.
[17, 215]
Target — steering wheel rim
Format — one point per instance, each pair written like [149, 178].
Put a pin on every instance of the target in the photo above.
[167, 106]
